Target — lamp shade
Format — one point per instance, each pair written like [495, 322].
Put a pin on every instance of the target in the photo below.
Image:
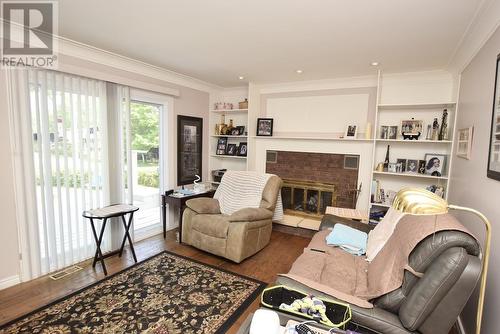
[419, 201]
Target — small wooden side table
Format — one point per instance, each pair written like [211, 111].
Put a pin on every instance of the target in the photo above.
[179, 202]
[117, 210]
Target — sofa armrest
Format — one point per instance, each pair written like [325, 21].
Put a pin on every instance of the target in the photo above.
[250, 215]
[204, 205]
[329, 221]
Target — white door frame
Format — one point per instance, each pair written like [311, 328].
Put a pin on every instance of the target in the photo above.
[167, 140]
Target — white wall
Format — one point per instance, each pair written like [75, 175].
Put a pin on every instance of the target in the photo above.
[324, 113]
[471, 187]
[417, 87]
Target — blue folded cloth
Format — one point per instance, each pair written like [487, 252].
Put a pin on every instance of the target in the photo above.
[348, 238]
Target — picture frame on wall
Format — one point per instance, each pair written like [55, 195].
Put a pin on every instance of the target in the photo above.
[493, 171]
[189, 149]
[351, 131]
[264, 127]
[464, 142]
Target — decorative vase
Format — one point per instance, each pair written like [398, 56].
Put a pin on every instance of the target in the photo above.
[230, 127]
[368, 131]
[443, 132]
[386, 161]
[435, 129]
[429, 132]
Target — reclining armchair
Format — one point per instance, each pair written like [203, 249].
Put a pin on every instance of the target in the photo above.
[235, 236]
[449, 261]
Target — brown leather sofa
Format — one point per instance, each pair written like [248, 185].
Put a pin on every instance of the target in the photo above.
[235, 236]
[429, 304]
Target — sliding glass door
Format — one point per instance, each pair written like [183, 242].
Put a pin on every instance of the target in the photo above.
[82, 144]
[145, 170]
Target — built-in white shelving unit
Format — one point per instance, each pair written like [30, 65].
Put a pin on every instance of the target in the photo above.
[313, 138]
[392, 115]
[240, 118]
[446, 142]
[219, 136]
[221, 156]
[412, 175]
[229, 111]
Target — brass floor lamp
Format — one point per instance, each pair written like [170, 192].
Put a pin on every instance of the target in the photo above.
[419, 201]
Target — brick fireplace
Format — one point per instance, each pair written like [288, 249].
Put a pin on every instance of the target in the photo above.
[313, 181]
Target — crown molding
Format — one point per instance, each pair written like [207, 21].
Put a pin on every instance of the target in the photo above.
[72, 48]
[483, 25]
[83, 51]
[296, 86]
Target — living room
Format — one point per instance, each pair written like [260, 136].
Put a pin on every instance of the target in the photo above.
[206, 167]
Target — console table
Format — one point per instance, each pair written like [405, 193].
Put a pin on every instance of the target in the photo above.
[178, 202]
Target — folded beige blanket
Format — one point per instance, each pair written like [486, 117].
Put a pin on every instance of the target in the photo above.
[351, 278]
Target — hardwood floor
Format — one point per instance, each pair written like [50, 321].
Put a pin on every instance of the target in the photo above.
[276, 258]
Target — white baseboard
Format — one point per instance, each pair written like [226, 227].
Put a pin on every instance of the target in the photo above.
[9, 281]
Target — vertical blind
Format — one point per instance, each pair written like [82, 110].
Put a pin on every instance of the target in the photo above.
[66, 167]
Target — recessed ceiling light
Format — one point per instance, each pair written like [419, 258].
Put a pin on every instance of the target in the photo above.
[375, 63]
[241, 77]
[299, 71]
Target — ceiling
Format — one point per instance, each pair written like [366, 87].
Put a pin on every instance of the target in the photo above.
[268, 40]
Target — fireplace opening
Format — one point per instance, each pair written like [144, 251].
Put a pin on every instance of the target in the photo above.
[307, 198]
[314, 181]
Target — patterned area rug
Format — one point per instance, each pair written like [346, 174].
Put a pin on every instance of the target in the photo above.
[163, 294]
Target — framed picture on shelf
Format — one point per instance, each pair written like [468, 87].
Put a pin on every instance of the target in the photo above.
[421, 166]
[411, 128]
[393, 132]
[384, 132]
[264, 126]
[436, 189]
[434, 164]
[412, 166]
[231, 149]
[221, 146]
[494, 153]
[242, 150]
[464, 142]
[189, 148]
[241, 130]
[403, 165]
[351, 132]
[392, 167]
